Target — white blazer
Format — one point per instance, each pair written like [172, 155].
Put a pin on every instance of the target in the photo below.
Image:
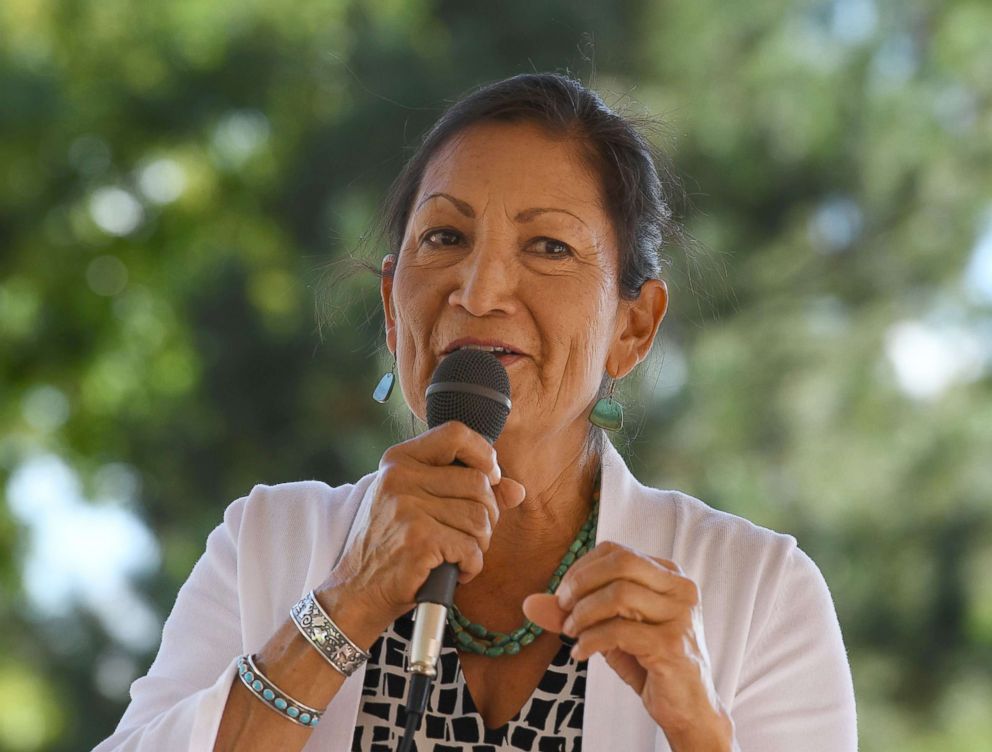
[776, 651]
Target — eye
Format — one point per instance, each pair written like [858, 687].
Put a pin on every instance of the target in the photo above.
[553, 248]
[441, 237]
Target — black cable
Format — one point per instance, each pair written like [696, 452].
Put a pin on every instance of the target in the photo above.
[416, 705]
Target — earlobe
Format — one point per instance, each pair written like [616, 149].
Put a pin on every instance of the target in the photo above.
[639, 324]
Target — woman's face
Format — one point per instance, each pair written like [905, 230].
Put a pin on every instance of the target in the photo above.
[508, 244]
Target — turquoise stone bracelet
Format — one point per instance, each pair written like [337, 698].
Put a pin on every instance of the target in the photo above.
[476, 638]
[274, 697]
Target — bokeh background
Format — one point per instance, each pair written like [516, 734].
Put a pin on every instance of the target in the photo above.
[181, 182]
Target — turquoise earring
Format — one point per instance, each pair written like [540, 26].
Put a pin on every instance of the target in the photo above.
[385, 386]
[606, 413]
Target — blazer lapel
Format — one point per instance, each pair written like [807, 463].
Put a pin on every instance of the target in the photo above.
[614, 716]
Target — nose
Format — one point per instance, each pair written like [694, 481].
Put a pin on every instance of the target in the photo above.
[487, 280]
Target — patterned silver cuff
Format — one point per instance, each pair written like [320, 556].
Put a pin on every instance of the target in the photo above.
[323, 634]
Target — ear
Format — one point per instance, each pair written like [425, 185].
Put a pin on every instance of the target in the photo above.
[386, 290]
[637, 326]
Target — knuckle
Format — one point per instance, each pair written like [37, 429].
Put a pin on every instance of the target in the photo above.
[670, 565]
[390, 478]
[464, 551]
[581, 611]
[491, 505]
[480, 520]
[671, 641]
[459, 431]
[621, 591]
[690, 592]
[587, 611]
[626, 566]
[473, 560]
[479, 484]
[389, 457]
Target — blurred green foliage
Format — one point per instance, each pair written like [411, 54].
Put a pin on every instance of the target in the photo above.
[181, 180]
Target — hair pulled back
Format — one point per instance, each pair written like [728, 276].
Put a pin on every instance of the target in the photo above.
[624, 160]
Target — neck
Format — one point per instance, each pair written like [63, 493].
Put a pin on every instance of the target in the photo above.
[558, 472]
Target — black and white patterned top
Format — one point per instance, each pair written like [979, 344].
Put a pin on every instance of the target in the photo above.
[550, 720]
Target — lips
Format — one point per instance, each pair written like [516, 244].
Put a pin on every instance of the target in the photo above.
[506, 353]
[496, 347]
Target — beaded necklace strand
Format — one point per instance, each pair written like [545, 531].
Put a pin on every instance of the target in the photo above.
[475, 638]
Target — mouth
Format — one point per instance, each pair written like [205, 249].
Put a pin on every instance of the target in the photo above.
[504, 352]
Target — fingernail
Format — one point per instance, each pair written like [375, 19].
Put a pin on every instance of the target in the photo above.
[575, 651]
[564, 594]
[569, 627]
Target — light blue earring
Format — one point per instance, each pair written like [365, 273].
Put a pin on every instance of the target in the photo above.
[385, 386]
[606, 413]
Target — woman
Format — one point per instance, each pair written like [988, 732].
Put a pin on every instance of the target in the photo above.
[528, 223]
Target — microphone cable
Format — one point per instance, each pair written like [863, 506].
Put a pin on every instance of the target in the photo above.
[416, 705]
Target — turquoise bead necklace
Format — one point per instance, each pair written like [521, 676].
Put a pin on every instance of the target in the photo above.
[475, 638]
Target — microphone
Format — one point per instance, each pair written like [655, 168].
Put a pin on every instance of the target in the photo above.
[470, 386]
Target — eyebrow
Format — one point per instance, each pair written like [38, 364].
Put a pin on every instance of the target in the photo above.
[525, 215]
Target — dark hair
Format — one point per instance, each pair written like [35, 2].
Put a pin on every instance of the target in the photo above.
[627, 163]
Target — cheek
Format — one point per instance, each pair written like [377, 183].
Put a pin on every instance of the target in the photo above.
[416, 311]
[580, 334]
[412, 302]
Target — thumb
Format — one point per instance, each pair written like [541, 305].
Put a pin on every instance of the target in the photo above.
[509, 493]
[543, 610]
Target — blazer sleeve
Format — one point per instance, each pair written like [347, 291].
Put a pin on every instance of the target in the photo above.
[178, 704]
[796, 690]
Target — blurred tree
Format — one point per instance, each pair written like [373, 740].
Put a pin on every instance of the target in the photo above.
[181, 180]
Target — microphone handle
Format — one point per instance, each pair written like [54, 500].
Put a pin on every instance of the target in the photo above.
[439, 587]
[434, 598]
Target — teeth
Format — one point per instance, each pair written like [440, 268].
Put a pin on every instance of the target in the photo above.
[486, 348]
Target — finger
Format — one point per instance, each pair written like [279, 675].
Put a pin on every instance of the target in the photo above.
[452, 481]
[668, 564]
[466, 516]
[452, 547]
[509, 493]
[611, 561]
[622, 599]
[452, 441]
[627, 668]
[639, 640]
[415, 485]
[460, 549]
[543, 610]
[459, 482]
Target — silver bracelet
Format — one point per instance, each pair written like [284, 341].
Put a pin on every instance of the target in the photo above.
[263, 688]
[324, 635]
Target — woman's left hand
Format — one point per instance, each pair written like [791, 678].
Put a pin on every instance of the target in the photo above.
[643, 614]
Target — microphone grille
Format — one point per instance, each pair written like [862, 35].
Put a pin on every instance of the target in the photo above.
[454, 399]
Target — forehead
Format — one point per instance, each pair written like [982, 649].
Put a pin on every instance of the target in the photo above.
[519, 164]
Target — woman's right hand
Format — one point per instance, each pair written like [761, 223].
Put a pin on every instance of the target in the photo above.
[424, 511]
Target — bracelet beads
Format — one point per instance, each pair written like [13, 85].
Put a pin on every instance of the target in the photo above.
[273, 697]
